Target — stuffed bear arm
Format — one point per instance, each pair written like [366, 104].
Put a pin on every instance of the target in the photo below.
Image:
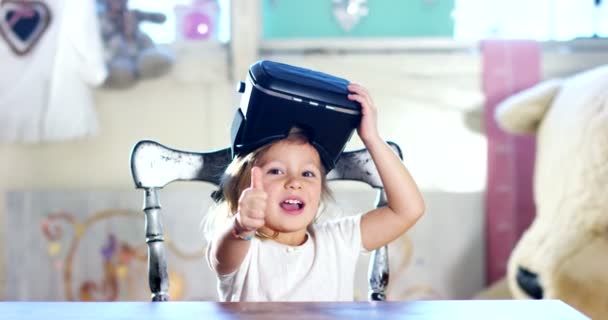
[522, 112]
[153, 17]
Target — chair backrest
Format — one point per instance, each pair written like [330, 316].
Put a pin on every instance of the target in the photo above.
[153, 166]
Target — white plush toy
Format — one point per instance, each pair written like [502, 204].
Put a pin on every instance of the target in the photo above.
[564, 253]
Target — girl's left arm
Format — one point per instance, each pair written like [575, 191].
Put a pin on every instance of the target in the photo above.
[405, 204]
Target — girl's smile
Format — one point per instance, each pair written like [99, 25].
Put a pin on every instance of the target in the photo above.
[293, 205]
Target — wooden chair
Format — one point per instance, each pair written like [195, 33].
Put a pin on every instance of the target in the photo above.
[153, 166]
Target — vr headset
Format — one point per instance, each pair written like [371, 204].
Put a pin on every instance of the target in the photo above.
[277, 97]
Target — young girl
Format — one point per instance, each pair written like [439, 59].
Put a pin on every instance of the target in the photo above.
[273, 250]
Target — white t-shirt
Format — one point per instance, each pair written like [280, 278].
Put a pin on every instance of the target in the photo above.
[321, 269]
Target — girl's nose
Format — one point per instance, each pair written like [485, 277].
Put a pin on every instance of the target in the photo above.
[293, 183]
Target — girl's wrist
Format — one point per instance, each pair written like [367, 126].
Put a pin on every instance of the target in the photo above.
[241, 233]
[373, 139]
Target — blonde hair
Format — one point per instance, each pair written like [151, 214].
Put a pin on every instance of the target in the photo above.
[237, 177]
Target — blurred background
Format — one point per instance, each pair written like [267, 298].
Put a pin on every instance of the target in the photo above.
[81, 81]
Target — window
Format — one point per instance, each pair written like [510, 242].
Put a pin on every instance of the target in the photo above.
[540, 19]
[194, 19]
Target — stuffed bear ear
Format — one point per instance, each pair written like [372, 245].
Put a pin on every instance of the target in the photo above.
[522, 112]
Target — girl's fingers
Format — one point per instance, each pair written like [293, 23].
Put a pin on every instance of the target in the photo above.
[256, 213]
[359, 89]
[364, 103]
[251, 224]
[254, 208]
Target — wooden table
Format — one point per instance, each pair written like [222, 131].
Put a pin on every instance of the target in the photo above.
[415, 310]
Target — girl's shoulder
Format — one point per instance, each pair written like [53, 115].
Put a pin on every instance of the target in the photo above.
[345, 226]
[337, 221]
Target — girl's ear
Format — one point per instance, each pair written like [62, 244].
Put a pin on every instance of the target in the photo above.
[522, 112]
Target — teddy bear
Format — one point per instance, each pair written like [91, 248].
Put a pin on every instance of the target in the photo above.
[564, 253]
[130, 53]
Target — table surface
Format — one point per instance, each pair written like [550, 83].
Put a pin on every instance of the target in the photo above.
[412, 310]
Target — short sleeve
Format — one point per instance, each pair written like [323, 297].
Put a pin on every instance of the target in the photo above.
[346, 230]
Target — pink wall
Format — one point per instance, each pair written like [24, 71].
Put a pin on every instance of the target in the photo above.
[508, 67]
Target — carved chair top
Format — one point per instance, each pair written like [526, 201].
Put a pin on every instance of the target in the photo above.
[154, 165]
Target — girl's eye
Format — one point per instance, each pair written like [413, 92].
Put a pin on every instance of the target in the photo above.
[308, 174]
[274, 171]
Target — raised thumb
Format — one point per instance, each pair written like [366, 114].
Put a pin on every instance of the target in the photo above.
[256, 178]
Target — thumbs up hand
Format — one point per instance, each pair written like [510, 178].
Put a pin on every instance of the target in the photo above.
[252, 204]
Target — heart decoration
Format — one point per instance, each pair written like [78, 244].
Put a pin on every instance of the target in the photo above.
[22, 23]
[348, 13]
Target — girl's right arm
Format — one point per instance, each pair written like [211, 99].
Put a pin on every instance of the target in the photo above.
[231, 245]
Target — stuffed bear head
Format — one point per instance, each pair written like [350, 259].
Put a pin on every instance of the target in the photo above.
[130, 53]
[564, 253]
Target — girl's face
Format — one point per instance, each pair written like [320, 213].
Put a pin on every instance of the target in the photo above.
[292, 178]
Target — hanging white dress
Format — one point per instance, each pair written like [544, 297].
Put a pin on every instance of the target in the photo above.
[46, 94]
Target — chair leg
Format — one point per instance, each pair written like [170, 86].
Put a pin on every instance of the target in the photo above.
[378, 264]
[378, 274]
[158, 278]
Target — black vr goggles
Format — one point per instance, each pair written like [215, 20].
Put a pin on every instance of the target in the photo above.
[277, 97]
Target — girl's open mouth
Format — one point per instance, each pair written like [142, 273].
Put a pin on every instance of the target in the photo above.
[292, 206]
